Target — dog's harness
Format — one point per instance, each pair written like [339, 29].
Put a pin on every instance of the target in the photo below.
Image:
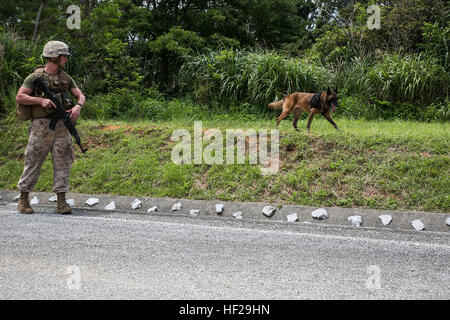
[315, 102]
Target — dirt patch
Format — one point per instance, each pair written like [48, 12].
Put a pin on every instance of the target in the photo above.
[323, 147]
[128, 130]
[115, 127]
[201, 182]
[93, 142]
[137, 131]
[370, 191]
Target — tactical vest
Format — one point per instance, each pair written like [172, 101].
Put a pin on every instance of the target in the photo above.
[59, 83]
[315, 101]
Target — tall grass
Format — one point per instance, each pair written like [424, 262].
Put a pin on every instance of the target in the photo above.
[17, 58]
[413, 86]
[406, 86]
[417, 79]
[254, 77]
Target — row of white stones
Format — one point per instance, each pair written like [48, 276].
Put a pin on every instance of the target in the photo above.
[268, 211]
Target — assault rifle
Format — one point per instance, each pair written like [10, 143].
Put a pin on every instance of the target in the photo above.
[61, 113]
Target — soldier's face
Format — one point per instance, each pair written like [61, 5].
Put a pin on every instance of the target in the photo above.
[62, 60]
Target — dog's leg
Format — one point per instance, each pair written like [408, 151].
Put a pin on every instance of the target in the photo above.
[312, 113]
[297, 113]
[295, 124]
[330, 120]
[282, 116]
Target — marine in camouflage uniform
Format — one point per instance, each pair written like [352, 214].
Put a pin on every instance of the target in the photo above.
[42, 140]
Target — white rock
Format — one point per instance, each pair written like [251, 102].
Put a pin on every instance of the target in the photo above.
[320, 214]
[355, 220]
[238, 215]
[153, 209]
[418, 225]
[269, 211]
[16, 198]
[111, 206]
[448, 221]
[136, 204]
[92, 201]
[292, 217]
[194, 212]
[219, 208]
[176, 206]
[71, 202]
[34, 201]
[385, 219]
[53, 199]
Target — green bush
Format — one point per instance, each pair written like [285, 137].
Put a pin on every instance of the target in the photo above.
[354, 107]
[432, 112]
[17, 59]
[416, 79]
[406, 86]
[411, 86]
[358, 107]
[246, 76]
[143, 105]
[118, 104]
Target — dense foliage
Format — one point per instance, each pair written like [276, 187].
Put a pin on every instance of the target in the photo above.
[223, 53]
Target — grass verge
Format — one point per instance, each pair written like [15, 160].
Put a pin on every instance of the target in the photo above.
[371, 164]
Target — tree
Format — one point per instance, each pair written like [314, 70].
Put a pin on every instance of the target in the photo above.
[37, 21]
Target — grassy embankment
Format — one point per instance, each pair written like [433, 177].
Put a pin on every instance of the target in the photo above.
[372, 164]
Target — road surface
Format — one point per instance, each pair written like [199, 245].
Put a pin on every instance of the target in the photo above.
[99, 255]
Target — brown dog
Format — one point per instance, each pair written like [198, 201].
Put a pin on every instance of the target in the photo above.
[309, 102]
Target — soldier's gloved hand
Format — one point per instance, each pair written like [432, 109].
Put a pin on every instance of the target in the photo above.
[47, 103]
[75, 113]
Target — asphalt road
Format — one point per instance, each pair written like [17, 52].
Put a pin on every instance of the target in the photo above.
[98, 255]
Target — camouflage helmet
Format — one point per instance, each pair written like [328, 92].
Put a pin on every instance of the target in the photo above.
[53, 49]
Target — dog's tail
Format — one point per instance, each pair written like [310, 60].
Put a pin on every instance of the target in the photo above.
[276, 105]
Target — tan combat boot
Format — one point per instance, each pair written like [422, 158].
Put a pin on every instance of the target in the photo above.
[24, 203]
[63, 207]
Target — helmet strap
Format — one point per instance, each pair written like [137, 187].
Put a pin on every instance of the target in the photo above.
[56, 61]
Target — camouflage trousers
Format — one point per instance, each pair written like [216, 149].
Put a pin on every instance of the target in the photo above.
[41, 141]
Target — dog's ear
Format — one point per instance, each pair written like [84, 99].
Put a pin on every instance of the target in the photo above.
[328, 91]
[336, 90]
